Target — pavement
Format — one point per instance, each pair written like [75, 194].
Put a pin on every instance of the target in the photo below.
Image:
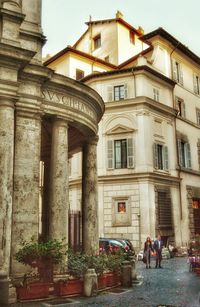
[171, 286]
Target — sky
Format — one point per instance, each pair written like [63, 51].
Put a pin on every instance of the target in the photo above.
[63, 21]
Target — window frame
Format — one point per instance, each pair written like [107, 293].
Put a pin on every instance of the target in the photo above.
[184, 154]
[177, 71]
[97, 41]
[160, 157]
[81, 72]
[196, 83]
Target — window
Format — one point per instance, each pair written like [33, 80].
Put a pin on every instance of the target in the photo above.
[180, 107]
[107, 59]
[120, 153]
[160, 154]
[156, 94]
[196, 214]
[177, 72]
[118, 92]
[79, 74]
[184, 154]
[198, 117]
[196, 84]
[132, 37]
[164, 210]
[97, 41]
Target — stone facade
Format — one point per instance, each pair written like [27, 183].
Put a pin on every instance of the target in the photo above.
[148, 147]
[44, 119]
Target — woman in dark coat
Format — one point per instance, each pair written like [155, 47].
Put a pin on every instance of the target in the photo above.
[148, 248]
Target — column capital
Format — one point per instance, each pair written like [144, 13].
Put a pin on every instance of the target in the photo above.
[60, 120]
[92, 140]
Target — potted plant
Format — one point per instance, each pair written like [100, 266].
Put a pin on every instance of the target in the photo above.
[77, 265]
[113, 266]
[43, 256]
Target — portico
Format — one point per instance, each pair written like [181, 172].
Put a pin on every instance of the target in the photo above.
[43, 117]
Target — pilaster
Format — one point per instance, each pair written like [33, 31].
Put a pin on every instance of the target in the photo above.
[6, 179]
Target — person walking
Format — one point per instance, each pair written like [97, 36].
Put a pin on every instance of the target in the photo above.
[158, 246]
[147, 251]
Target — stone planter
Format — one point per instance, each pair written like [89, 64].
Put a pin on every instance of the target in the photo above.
[33, 291]
[70, 287]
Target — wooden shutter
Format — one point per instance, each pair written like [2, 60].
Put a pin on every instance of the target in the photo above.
[130, 153]
[183, 113]
[110, 93]
[195, 84]
[110, 154]
[166, 158]
[174, 69]
[125, 91]
[180, 153]
[155, 155]
[180, 74]
[188, 155]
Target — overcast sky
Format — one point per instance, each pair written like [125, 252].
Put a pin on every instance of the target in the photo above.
[63, 21]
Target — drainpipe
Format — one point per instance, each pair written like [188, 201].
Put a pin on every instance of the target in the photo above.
[177, 154]
[135, 91]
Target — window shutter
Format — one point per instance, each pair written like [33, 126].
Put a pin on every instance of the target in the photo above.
[155, 156]
[130, 153]
[166, 158]
[175, 77]
[180, 152]
[110, 154]
[188, 155]
[125, 91]
[110, 93]
[183, 114]
[180, 74]
[195, 84]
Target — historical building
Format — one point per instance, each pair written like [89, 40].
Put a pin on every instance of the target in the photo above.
[149, 136]
[44, 119]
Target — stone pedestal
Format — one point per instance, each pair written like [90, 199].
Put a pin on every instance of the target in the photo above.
[90, 198]
[58, 201]
[90, 282]
[126, 274]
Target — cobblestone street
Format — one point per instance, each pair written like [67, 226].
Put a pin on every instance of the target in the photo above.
[173, 285]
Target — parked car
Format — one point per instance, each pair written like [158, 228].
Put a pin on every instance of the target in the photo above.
[110, 245]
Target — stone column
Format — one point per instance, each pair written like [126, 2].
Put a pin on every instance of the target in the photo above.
[6, 180]
[26, 182]
[59, 190]
[90, 198]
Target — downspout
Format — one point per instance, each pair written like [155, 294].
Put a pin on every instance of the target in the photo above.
[177, 153]
[90, 34]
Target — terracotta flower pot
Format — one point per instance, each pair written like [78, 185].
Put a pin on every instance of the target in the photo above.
[33, 291]
[74, 286]
[112, 279]
[102, 281]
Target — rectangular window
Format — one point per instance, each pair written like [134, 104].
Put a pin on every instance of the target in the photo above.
[180, 107]
[184, 154]
[196, 84]
[107, 59]
[164, 210]
[155, 94]
[97, 41]
[132, 37]
[120, 153]
[198, 117]
[79, 74]
[119, 92]
[160, 156]
[177, 72]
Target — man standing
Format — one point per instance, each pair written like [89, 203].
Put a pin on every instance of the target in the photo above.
[157, 246]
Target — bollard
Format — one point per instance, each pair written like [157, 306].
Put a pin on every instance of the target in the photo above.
[133, 270]
[4, 289]
[126, 274]
[90, 282]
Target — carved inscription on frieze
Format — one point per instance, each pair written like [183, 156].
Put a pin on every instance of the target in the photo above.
[71, 102]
